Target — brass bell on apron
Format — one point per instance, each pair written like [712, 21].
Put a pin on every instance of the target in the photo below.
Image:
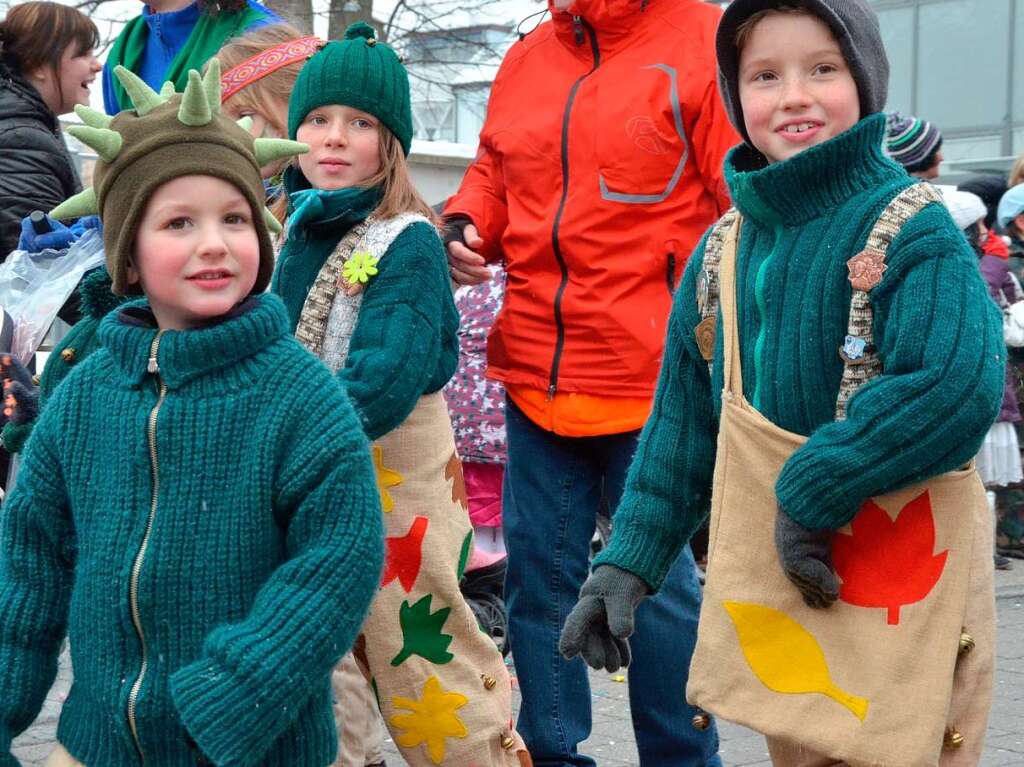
[507, 741]
[701, 721]
[952, 738]
[489, 681]
[966, 643]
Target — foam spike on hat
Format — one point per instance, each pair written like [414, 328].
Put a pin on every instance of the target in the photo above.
[82, 204]
[92, 118]
[271, 149]
[106, 142]
[195, 107]
[144, 99]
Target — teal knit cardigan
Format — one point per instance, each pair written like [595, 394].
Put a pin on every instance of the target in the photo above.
[247, 560]
[938, 334]
[405, 343]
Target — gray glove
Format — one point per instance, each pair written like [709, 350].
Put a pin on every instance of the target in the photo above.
[602, 620]
[806, 558]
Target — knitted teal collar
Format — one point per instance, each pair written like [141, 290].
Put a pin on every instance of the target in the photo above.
[814, 182]
[184, 355]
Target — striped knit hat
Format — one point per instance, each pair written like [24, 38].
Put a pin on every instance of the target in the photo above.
[911, 141]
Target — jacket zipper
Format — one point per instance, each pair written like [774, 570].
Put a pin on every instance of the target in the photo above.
[579, 27]
[133, 587]
[670, 273]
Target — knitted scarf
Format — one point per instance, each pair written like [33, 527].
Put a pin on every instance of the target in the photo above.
[317, 221]
[207, 37]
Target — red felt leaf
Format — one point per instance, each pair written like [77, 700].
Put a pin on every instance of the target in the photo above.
[889, 562]
[404, 556]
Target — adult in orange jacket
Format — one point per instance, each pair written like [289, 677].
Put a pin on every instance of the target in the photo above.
[600, 166]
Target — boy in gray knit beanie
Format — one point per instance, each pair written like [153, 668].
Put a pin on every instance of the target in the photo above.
[787, 412]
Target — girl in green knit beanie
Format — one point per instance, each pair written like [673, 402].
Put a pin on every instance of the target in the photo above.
[197, 509]
[365, 279]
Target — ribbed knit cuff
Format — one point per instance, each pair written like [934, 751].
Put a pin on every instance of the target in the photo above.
[224, 715]
[15, 436]
[808, 492]
[647, 556]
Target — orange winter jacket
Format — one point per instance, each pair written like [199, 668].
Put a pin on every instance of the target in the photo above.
[600, 166]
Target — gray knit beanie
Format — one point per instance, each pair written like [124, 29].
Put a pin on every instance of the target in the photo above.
[855, 27]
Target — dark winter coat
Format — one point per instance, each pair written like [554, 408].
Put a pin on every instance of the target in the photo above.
[1004, 291]
[36, 171]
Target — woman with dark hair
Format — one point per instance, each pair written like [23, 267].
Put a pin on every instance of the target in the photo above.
[46, 68]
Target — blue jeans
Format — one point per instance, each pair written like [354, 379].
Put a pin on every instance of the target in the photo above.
[552, 489]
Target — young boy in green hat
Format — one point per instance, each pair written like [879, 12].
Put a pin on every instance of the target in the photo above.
[196, 510]
[804, 82]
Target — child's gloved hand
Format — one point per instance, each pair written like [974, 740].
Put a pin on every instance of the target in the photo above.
[21, 396]
[602, 620]
[58, 238]
[806, 558]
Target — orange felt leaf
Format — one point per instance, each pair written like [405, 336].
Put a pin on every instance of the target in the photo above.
[889, 562]
[404, 556]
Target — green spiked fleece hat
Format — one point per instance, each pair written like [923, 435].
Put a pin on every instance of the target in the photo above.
[166, 136]
[358, 72]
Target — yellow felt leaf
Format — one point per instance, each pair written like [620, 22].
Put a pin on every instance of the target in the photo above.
[386, 478]
[432, 719]
[785, 656]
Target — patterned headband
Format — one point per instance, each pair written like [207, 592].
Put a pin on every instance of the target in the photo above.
[265, 62]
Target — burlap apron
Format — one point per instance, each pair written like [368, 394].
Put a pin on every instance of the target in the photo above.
[885, 681]
[440, 682]
[59, 757]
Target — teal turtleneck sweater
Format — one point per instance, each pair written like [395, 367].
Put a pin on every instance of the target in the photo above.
[246, 560]
[937, 332]
[405, 341]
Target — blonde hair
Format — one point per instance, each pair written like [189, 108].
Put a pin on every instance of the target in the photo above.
[263, 96]
[398, 193]
[1016, 173]
[744, 30]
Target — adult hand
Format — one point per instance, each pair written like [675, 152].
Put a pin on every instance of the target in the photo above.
[463, 240]
[806, 558]
[602, 620]
[21, 395]
[58, 238]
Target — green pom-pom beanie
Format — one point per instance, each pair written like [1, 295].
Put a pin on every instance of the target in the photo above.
[358, 72]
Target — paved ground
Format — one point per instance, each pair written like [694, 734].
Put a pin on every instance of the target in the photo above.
[612, 742]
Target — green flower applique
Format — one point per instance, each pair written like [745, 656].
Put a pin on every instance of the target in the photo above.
[360, 267]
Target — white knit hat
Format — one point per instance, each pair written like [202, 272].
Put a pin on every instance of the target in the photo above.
[965, 207]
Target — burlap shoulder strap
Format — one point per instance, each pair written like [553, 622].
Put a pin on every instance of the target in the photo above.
[860, 357]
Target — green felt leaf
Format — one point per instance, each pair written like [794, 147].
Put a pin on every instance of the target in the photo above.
[422, 633]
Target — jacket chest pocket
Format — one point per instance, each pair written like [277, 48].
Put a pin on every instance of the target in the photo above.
[641, 140]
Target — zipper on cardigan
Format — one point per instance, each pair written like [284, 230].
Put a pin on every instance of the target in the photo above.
[133, 587]
[555, 245]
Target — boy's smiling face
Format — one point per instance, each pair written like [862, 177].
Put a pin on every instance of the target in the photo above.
[196, 253]
[796, 89]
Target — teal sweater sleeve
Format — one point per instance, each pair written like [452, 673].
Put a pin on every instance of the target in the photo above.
[940, 340]
[668, 488]
[404, 344]
[255, 676]
[36, 560]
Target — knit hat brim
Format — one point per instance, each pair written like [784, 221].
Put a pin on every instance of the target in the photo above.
[855, 27]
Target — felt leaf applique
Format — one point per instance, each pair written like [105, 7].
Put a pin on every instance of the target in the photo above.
[453, 472]
[889, 562]
[422, 633]
[405, 555]
[785, 656]
[432, 719]
[467, 548]
[386, 478]
[360, 267]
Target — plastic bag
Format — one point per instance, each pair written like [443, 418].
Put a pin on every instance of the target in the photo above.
[34, 286]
